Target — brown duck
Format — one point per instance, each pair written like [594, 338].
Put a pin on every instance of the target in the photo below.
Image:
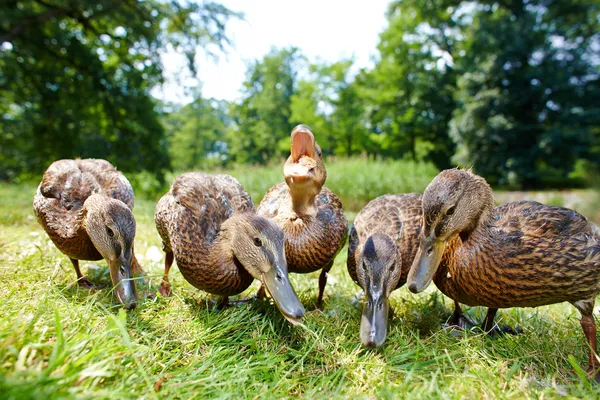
[85, 207]
[522, 254]
[310, 215]
[209, 225]
[382, 245]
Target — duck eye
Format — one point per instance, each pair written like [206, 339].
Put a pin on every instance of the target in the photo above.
[450, 211]
[110, 232]
[257, 242]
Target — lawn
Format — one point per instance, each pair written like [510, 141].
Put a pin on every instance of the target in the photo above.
[60, 341]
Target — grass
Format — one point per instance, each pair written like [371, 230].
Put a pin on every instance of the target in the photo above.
[60, 341]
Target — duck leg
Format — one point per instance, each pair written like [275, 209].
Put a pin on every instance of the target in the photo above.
[261, 294]
[165, 286]
[221, 304]
[586, 308]
[81, 279]
[459, 319]
[489, 327]
[322, 283]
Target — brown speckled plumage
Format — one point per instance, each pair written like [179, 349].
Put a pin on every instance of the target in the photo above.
[311, 242]
[522, 254]
[209, 225]
[395, 215]
[85, 207]
[526, 255]
[310, 215]
[58, 203]
[188, 219]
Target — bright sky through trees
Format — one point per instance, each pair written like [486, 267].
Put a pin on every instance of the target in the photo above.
[322, 29]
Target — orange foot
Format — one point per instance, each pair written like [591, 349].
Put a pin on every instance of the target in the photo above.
[165, 289]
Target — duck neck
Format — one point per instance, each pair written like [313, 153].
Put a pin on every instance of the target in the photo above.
[483, 199]
[303, 199]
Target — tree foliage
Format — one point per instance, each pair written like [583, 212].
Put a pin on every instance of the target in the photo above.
[197, 134]
[510, 87]
[410, 90]
[76, 77]
[262, 119]
[528, 89]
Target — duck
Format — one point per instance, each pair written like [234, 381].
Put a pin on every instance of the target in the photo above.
[382, 244]
[209, 225]
[311, 215]
[86, 208]
[519, 254]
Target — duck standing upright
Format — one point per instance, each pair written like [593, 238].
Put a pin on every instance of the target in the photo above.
[522, 254]
[310, 215]
[209, 225]
[85, 207]
[381, 248]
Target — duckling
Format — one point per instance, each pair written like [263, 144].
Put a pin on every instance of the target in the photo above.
[382, 245]
[208, 223]
[310, 215]
[85, 207]
[521, 254]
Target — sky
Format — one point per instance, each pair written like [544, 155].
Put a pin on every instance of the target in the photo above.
[326, 30]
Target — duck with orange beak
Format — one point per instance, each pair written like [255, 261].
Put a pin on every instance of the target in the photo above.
[311, 216]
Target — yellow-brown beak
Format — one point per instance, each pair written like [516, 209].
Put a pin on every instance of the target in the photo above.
[426, 263]
[124, 286]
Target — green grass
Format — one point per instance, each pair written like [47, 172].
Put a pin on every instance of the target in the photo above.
[355, 180]
[60, 341]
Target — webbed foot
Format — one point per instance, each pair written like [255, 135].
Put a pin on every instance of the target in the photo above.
[261, 294]
[165, 289]
[461, 321]
[84, 282]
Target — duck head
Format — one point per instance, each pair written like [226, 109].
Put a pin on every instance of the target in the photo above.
[258, 244]
[378, 275]
[453, 204]
[304, 170]
[111, 227]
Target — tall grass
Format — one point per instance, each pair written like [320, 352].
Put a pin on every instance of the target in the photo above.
[355, 180]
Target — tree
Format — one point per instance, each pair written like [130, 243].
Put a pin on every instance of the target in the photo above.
[409, 92]
[76, 77]
[196, 134]
[262, 119]
[328, 100]
[529, 89]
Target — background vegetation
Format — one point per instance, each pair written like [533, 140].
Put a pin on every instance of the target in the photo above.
[510, 87]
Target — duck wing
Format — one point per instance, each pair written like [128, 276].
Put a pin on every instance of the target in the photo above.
[66, 185]
[536, 220]
[197, 205]
[399, 217]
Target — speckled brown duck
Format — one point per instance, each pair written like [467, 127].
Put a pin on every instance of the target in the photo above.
[522, 254]
[310, 215]
[382, 245]
[85, 207]
[209, 225]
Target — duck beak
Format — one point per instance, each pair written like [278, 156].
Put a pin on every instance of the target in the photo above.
[278, 285]
[425, 264]
[303, 143]
[124, 286]
[300, 166]
[373, 324]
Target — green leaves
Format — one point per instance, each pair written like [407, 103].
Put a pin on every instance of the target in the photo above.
[77, 77]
